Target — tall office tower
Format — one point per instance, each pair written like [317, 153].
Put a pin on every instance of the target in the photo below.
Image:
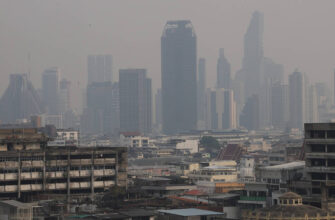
[201, 93]
[64, 96]
[50, 90]
[312, 106]
[297, 99]
[334, 87]
[215, 108]
[273, 73]
[135, 101]
[179, 77]
[249, 117]
[101, 115]
[20, 100]
[223, 71]
[158, 109]
[221, 112]
[253, 55]
[279, 105]
[99, 68]
[229, 113]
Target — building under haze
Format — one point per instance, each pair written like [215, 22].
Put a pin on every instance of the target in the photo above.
[179, 77]
[135, 101]
[249, 117]
[297, 99]
[101, 116]
[201, 93]
[221, 109]
[20, 100]
[223, 71]
[50, 90]
[99, 68]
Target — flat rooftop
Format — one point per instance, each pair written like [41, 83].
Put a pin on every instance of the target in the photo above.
[190, 212]
[286, 166]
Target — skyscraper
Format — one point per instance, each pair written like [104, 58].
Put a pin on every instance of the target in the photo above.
[223, 71]
[50, 90]
[253, 55]
[179, 77]
[229, 113]
[297, 99]
[221, 113]
[249, 117]
[20, 100]
[101, 114]
[201, 93]
[279, 105]
[135, 101]
[158, 108]
[64, 96]
[99, 68]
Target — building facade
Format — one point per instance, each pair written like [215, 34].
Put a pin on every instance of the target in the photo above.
[135, 101]
[179, 77]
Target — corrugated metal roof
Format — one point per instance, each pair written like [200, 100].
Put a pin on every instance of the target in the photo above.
[190, 212]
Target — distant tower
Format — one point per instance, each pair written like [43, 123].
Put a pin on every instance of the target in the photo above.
[223, 71]
[297, 99]
[179, 77]
[229, 113]
[135, 101]
[201, 93]
[20, 100]
[279, 105]
[99, 68]
[50, 90]
[249, 117]
[158, 108]
[253, 54]
[64, 96]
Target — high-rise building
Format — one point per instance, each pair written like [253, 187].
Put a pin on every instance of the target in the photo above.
[179, 77]
[229, 113]
[297, 99]
[101, 116]
[135, 101]
[20, 100]
[223, 71]
[279, 105]
[249, 117]
[201, 93]
[50, 90]
[158, 108]
[99, 68]
[312, 105]
[253, 55]
[64, 96]
[221, 112]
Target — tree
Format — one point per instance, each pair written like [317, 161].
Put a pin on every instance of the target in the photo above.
[210, 144]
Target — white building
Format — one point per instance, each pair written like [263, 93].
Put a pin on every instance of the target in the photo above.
[188, 145]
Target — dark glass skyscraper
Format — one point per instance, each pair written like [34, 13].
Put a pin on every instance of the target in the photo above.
[179, 77]
[50, 90]
[135, 101]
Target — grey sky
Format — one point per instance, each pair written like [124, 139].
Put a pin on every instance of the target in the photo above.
[297, 33]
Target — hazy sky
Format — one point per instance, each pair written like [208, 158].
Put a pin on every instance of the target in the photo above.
[297, 33]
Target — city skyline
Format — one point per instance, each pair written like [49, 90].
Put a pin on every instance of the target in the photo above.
[25, 56]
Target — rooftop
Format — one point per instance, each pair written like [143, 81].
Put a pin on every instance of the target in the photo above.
[286, 166]
[190, 212]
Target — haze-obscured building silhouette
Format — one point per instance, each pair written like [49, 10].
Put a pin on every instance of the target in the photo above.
[223, 71]
[135, 101]
[20, 100]
[179, 77]
[201, 93]
[297, 99]
[249, 117]
[50, 90]
[99, 68]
